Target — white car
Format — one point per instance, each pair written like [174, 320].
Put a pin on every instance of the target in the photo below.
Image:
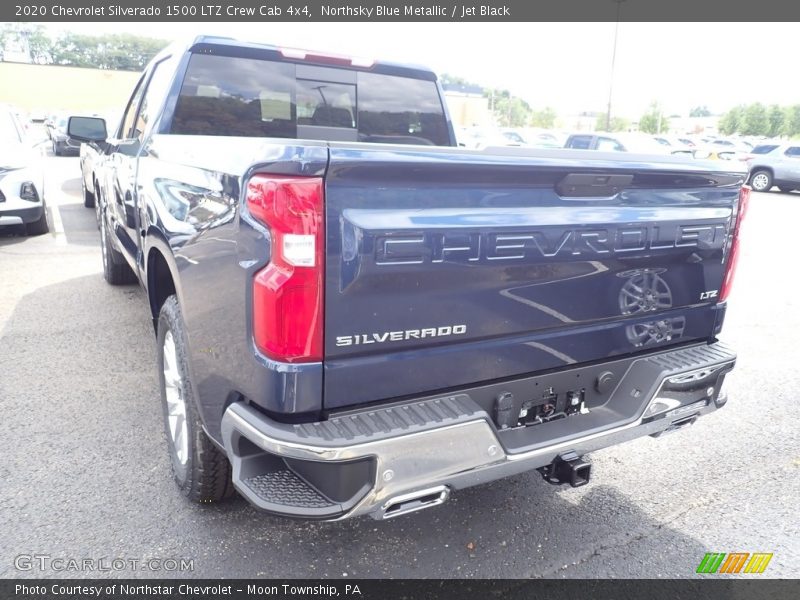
[721, 144]
[675, 145]
[21, 178]
[638, 143]
[479, 138]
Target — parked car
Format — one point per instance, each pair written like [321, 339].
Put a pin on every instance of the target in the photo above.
[21, 178]
[91, 154]
[513, 137]
[676, 145]
[38, 116]
[49, 124]
[63, 145]
[347, 325]
[706, 153]
[474, 137]
[774, 164]
[638, 143]
[729, 145]
[530, 139]
[479, 138]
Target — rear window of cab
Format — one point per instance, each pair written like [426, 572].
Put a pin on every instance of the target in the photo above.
[235, 96]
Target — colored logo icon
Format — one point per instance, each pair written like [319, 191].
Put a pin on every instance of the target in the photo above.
[735, 562]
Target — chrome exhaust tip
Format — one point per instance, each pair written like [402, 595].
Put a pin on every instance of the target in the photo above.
[414, 501]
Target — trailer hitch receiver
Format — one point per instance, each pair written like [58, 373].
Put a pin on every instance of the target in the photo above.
[567, 468]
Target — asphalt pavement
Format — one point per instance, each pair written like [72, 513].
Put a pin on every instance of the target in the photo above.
[85, 474]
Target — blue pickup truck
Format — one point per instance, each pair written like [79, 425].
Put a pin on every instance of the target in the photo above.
[354, 316]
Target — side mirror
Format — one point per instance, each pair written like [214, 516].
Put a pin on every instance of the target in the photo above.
[87, 129]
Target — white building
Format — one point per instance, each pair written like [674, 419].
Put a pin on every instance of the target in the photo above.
[694, 125]
[16, 49]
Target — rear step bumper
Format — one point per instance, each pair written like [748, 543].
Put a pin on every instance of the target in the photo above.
[399, 459]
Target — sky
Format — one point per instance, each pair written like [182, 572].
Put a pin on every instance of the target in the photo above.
[563, 65]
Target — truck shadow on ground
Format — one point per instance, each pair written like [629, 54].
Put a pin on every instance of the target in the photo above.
[520, 527]
[83, 375]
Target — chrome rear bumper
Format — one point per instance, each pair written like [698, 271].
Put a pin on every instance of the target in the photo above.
[410, 456]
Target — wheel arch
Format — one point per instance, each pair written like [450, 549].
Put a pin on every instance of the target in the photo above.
[161, 275]
[756, 169]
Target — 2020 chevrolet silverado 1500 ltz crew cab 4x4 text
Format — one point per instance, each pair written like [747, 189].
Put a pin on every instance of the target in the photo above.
[354, 316]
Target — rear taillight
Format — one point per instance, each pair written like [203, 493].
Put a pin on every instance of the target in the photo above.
[733, 258]
[288, 292]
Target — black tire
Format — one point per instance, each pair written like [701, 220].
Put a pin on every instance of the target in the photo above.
[55, 150]
[761, 180]
[116, 270]
[39, 226]
[204, 476]
[88, 197]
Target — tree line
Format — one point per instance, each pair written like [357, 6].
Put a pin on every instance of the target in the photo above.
[754, 119]
[119, 51]
[128, 52]
[759, 119]
[507, 109]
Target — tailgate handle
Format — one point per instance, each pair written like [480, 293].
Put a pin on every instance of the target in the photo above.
[592, 185]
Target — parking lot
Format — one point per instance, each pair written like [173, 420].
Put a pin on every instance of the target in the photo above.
[85, 472]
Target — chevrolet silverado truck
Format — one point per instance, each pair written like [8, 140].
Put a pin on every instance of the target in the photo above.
[355, 317]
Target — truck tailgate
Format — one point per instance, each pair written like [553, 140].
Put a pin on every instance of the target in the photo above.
[447, 268]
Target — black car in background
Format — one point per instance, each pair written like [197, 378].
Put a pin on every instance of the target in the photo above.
[62, 144]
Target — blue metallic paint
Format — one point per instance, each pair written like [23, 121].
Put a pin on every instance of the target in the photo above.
[522, 315]
[217, 249]
[529, 308]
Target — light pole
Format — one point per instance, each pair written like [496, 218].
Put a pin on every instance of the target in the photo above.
[613, 60]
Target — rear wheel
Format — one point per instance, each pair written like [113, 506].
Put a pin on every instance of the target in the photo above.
[761, 181]
[200, 469]
[116, 270]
